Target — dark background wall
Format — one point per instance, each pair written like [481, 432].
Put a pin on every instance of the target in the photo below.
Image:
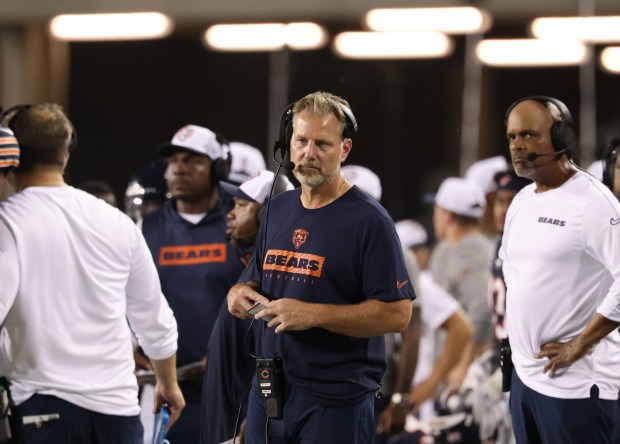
[127, 98]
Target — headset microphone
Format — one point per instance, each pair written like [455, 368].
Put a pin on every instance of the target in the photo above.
[533, 156]
[290, 166]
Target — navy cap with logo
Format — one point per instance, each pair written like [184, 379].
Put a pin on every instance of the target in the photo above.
[509, 181]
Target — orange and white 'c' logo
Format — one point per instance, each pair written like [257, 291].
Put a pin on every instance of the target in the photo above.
[299, 237]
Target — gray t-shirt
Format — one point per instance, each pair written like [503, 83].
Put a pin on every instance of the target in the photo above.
[464, 271]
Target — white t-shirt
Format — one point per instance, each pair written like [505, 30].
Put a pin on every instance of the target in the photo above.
[437, 305]
[84, 272]
[561, 253]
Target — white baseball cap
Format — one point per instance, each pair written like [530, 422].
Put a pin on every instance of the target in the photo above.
[363, 178]
[196, 139]
[411, 233]
[483, 171]
[247, 161]
[461, 196]
[258, 187]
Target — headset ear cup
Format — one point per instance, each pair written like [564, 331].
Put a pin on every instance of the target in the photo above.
[563, 135]
[220, 169]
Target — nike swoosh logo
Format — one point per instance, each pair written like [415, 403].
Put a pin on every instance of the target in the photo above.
[400, 285]
[614, 221]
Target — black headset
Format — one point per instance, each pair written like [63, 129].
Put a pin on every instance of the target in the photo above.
[13, 112]
[609, 162]
[220, 167]
[283, 143]
[563, 135]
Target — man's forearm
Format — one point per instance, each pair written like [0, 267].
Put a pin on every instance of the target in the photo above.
[598, 327]
[165, 370]
[459, 331]
[366, 319]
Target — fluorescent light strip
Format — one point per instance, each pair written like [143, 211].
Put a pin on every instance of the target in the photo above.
[265, 36]
[587, 29]
[392, 45]
[531, 52]
[610, 59]
[460, 20]
[95, 27]
[305, 36]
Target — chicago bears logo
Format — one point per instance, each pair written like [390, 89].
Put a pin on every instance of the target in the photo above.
[184, 133]
[299, 237]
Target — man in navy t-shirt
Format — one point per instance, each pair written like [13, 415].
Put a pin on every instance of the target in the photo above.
[329, 268]
[196, 265]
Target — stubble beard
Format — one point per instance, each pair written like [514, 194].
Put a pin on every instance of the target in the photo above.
[314, 180]
[526, 171]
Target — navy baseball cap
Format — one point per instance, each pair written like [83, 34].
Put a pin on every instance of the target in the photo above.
[509, 181]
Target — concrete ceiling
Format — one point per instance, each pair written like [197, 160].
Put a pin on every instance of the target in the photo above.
[350, 11]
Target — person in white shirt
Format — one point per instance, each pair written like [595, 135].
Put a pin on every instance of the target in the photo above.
[84, 277]
[562, 271]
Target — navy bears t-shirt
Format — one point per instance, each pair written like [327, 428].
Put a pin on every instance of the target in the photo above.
[343, 253]
[196, 267]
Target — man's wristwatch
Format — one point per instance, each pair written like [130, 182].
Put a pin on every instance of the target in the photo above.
[401, 399]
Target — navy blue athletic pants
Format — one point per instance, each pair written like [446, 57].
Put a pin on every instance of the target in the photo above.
[538, 418]
[74, 425]
[304, 421]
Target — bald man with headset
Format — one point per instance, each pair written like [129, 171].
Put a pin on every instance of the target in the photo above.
[562, 271]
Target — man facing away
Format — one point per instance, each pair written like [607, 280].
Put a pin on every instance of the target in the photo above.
[329, 269]
[84, 277]
[461, 262]
[562, 271]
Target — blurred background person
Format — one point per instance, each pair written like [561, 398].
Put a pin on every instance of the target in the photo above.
[196, 264]
[398, 346]
[100, 189]
[611, 167]
[247, 161]
[482, 172]
[147, 190]
[426, 374]
[461, 262]
[230, 364]
[490, 406]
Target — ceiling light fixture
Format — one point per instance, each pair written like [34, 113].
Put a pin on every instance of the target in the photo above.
[586, 29]
[610, 59]
[97, 27]
[265, 36]
[531, 52]
[459, 20]
[392, 45]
